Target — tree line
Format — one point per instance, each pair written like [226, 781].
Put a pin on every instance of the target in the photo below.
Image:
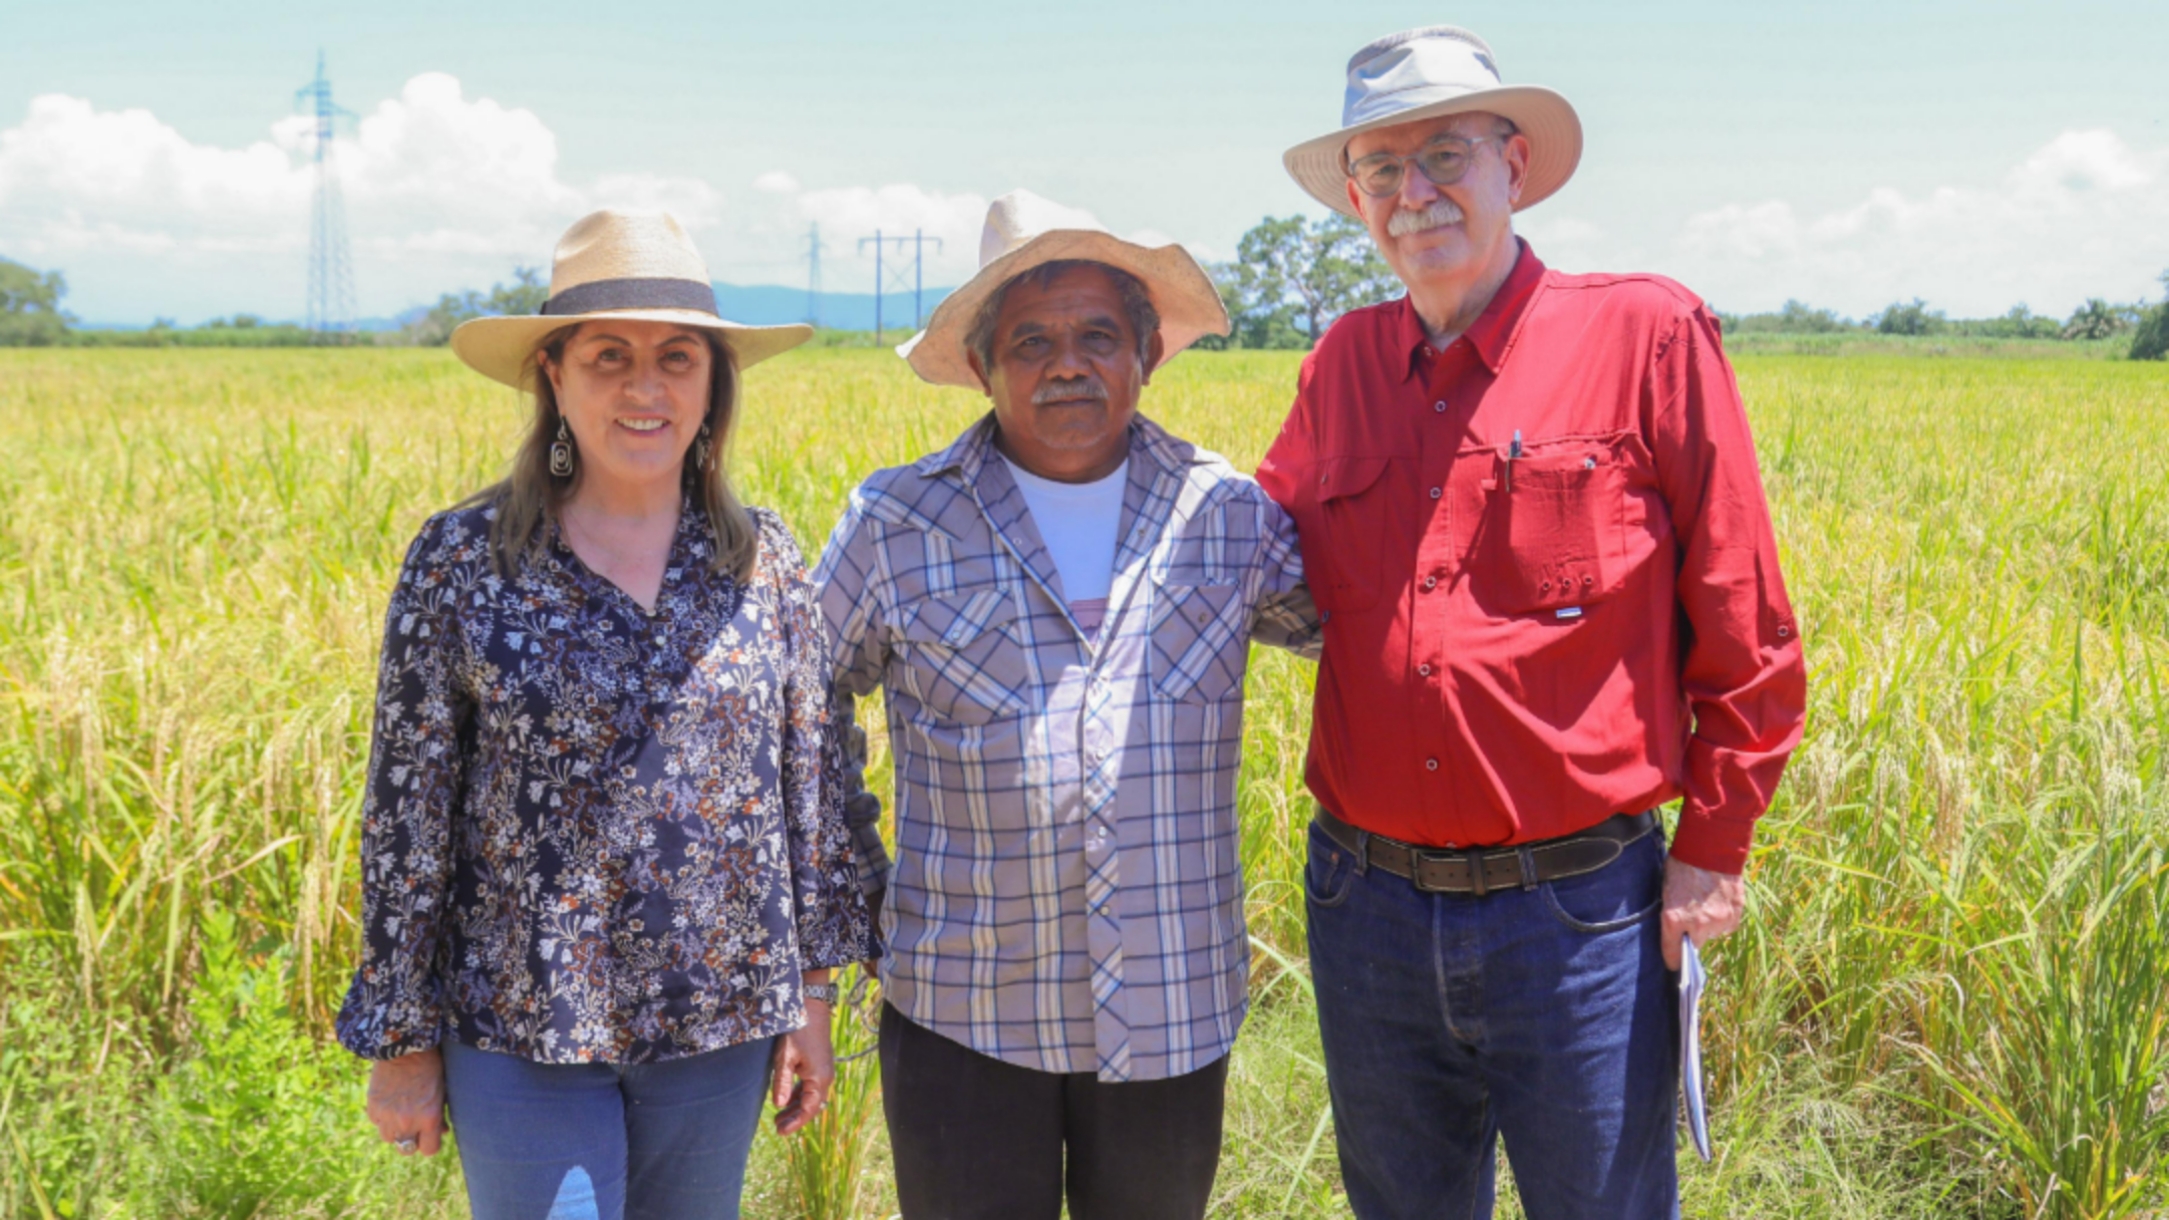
[31, 316]
[1290, 278]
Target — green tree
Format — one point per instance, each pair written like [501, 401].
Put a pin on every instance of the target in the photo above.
[1291, 279]
[2097, 319]
[524, 295]
[30, 314]
[1910, 318]
[2152, 341]
[2019, 323]
[1798, 318]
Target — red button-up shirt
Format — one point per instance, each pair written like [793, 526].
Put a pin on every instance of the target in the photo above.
[1547, 564]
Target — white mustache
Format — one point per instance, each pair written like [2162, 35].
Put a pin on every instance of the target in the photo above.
[1441, 212]
[1069, 391]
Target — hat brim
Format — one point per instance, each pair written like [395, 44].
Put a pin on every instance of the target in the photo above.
[503, 348]
[1547, 119]
[1188, 304]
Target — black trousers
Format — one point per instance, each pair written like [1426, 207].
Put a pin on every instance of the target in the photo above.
[975, 1138]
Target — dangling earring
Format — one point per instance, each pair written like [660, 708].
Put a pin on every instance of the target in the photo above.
[707, 450]
[561, 452]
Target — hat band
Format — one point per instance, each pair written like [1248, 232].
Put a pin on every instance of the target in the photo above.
[598, 295]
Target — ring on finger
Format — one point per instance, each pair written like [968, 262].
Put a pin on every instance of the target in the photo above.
[406, 1143]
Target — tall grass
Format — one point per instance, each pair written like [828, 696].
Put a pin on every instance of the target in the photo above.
[1949, 999]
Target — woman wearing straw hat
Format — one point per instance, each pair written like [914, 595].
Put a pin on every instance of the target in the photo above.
[605, 874]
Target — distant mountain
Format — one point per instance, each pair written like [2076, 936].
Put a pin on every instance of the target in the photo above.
[771, 304]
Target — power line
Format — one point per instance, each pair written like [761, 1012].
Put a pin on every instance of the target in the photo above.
[916, 282]
[331, 272]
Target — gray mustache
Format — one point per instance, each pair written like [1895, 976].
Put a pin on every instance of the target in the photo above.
[1069, 391]
[1442, 211]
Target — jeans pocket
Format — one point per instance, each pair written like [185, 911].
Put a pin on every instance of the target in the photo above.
[1330, 872]
[1622, 894]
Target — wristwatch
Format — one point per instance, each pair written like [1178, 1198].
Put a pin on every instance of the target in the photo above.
[824, 992]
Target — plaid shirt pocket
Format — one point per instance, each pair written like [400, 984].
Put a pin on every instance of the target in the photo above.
[1200, 642]
[960, 658]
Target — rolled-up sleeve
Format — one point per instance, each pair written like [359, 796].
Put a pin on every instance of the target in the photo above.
[834, 928]
[1743, 673]
[395, 1005]
[857, 659]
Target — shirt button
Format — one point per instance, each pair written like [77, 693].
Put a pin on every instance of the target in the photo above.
[1430, 582]
[1430, 764]
[1436, 492]
[1424, 670]
[1439, 407]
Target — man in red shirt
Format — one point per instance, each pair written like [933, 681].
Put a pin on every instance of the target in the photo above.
[1529, 507]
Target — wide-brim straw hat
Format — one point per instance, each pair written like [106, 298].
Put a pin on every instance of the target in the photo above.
[1430, 73]
[638, 266]
[1024, 231]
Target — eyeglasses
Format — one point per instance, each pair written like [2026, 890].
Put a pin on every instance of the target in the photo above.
[1444, 161]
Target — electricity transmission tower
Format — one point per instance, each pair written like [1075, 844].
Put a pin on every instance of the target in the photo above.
[331, 271]
[813, 275]
[917, 280]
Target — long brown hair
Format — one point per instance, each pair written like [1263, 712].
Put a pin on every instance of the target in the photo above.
[530, 495]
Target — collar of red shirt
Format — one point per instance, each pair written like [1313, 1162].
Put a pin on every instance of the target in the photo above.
[1491, 336]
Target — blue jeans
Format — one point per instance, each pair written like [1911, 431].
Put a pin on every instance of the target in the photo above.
[1543, 1016]
[598, 1141]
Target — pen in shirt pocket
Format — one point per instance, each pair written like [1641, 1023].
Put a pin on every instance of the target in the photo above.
[1513, 454]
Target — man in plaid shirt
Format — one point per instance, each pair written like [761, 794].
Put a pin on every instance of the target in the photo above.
[1059, 607]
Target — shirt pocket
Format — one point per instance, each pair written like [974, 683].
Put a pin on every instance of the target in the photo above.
[960, 657]
[1343, 533]
[1551, 537]
[1200, 643]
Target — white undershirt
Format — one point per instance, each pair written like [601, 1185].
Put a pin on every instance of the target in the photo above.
[1079, 523]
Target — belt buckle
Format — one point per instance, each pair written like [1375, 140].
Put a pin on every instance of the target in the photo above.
[1472, 859]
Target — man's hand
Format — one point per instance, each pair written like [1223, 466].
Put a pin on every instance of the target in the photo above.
[406, 1101]
[805, 1055]
[874, 903]
[1700, 903]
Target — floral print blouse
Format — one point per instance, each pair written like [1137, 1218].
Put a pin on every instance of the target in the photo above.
[593, 833]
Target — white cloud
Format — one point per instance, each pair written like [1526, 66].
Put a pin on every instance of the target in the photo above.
[440, 191]
[2085, 215]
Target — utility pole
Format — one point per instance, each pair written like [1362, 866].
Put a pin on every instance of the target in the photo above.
[877, 239]
[882, 281]
[813, 275]
[331, 271]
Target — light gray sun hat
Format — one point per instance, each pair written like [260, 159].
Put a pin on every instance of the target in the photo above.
[640, 266]
[1024, 230]
[1430, 73]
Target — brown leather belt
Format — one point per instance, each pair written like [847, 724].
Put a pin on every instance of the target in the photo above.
[1479, 871]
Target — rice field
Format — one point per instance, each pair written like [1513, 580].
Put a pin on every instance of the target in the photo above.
[1951, 998]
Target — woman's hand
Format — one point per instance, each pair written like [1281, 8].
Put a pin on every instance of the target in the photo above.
[406, 1102]
[806, 1055]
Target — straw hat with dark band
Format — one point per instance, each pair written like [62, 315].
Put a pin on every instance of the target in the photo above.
[1024, 231]
[638, 266]
[1430, 73]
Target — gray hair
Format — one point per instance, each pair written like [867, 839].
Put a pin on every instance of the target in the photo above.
[1136, 302]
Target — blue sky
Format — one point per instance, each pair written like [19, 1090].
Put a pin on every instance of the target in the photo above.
[1976, 154]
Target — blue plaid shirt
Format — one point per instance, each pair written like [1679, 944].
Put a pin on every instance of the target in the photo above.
[1066, 894]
